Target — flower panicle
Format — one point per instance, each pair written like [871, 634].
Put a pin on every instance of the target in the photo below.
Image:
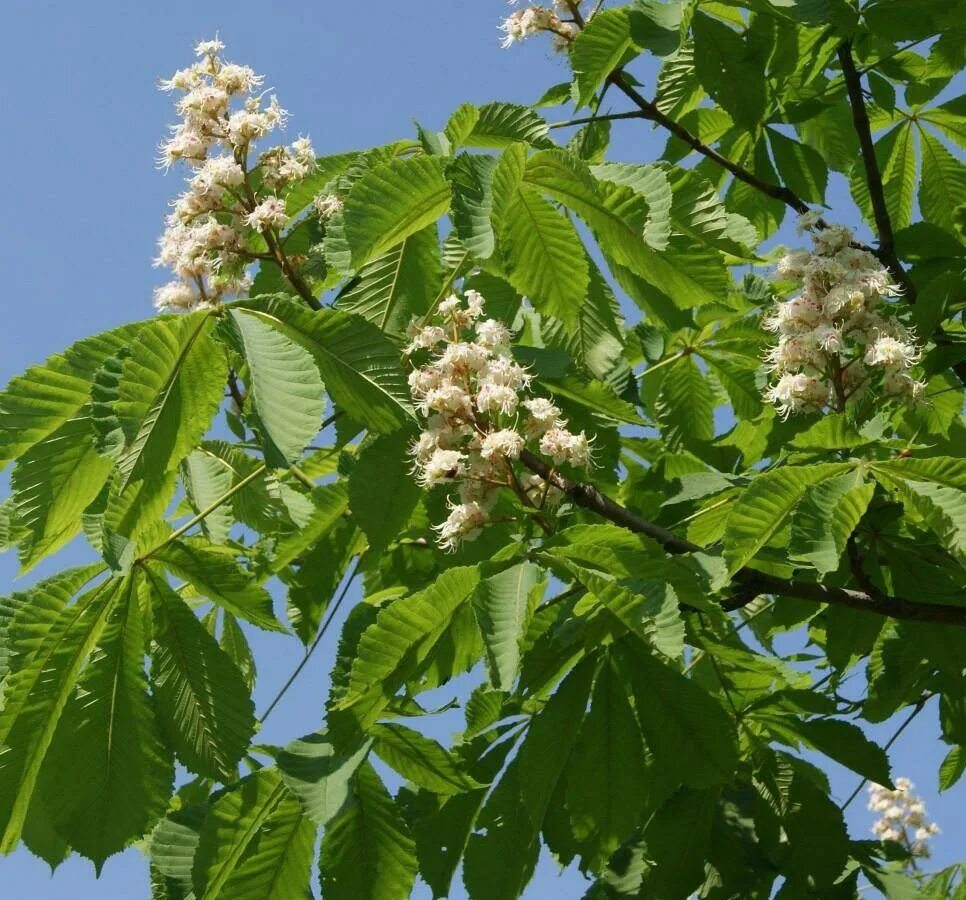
[837, 339]
[902, 817]
[223, 113]
[479, 418]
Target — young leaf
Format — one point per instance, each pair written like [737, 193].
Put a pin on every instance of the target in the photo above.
[202, 699]
[171, 384]
[599, 49]
[255, 844]
[503, 608]
[359, 364]
[108, 731]
[367, 851]
[420, 759]
[826, 516]
[285, 387]
[36, 694]
[605, 788]
[686, 729]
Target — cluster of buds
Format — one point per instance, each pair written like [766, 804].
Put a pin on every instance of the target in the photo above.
[902, 817]
[837, 339]
[222, 116]
[480, 418]
[533, 20]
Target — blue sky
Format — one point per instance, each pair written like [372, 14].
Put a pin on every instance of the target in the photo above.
[83, 205]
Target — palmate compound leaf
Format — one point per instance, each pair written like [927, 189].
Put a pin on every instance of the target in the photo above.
[359, 364]
[172, 382]
[35, 696]
[605, 788]
[382, 490]
[686, 728]
[390, 202]
[53, 483]
[216, 576]
[202, 700]
[400, 640]
[108, 732]
[393, 288]
[764, 507]
[285, 387]
[35, 404]
[255, 844]
[421, 760]
[826, 516]
[503, 605]
[367, 851]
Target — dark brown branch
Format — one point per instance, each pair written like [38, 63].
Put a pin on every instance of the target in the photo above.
[750, 582]
[873, 176]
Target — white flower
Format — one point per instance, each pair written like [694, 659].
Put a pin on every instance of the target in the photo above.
[209, 48]
[425, 338]
[235, 79]
[450, 305]
[449, 399]
[464, 355]
[443, 465]
[505, 442]
[543, 416]
[794, 393]
[327, 205]
[505, 371]
[526, 22]
[270, 213]
[807, 221]
[220, 171]
[474, 304]
[492, 334]
[562, 446]
[463, 524]
[792, 265]
[828, 338]
[497, 398]
[887, 351]
[176, 295]
[303, 152]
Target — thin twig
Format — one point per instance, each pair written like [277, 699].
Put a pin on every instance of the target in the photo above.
[314, 645]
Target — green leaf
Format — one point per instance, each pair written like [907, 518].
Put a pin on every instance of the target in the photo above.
[171, 384]
[173, 844]
[503, 606]
[944, 510]
[402, 637]
[826, 516]
[764, 507]
[216, 576]
[108, 732]
[255, 844]
[599, 49]
[285, 387]
[36, 694]
[727, 71]
[656, 25]
[651, 183]
[942, 190]
[393, 288]
[952, 768]
[421, 760]
[896, 155]
[206, 480]
[685, 404]
[605, 790]
[550, 740]
[319, 774]
[53, 483]
[390, 202]
[846, 744]
[544, 255]
[35, 404]
[499, 125]
[359, 364]
[472, 177]
[202, 700]
[801, 168]
[687, 730]
[382, 490]
[367, 851]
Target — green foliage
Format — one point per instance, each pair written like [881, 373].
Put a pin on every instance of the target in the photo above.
[629, 704]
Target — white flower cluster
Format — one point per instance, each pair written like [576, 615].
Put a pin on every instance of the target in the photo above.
[836, 339]
[903, 817]
[527, 22]
[479, 418]
[221, 118]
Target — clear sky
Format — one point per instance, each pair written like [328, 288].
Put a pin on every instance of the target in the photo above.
[83, 204]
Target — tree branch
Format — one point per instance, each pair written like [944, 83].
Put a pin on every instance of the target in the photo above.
[750, 582]
[880, 212]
